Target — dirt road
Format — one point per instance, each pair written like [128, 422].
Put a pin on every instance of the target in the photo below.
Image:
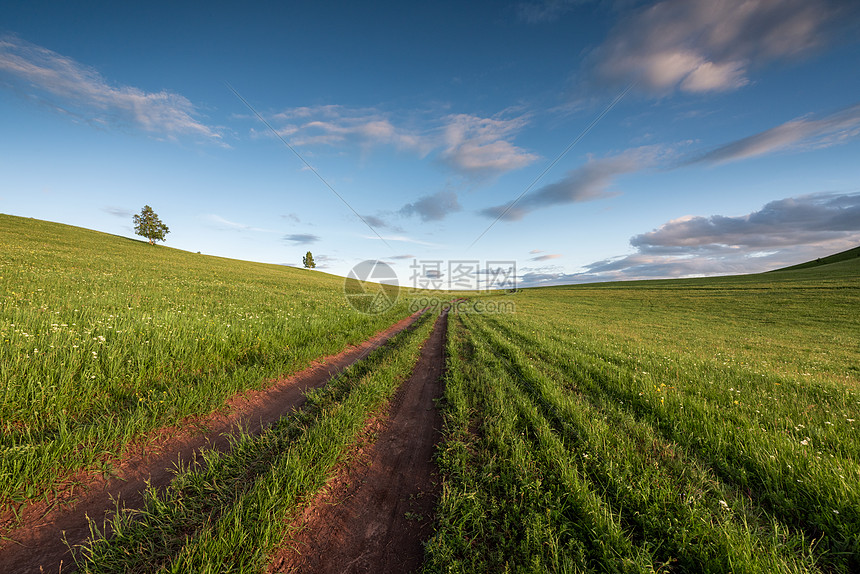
[376, 513]
[37, 544]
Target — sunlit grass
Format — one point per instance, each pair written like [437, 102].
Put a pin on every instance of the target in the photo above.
[227, 516]
[701, 426]
[706, 425]
[104, 338]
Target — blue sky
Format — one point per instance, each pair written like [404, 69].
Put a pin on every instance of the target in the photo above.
[581, 140]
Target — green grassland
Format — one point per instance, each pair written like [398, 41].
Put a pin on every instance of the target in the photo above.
[698, 425]
[705, 425]
[835, 258]
[104, 338]
[229, 515]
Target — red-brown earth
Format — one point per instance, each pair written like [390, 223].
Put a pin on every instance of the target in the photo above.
[377, 511]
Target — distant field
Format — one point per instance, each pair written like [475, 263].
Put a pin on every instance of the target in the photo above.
[103, 338]
[707, 425]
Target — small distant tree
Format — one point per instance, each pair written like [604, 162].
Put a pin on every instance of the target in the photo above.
[308, 260]
[147, 224]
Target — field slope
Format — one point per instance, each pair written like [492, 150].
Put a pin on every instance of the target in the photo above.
[703, 425]
[104, 338]
[698, 425]
[846, 255]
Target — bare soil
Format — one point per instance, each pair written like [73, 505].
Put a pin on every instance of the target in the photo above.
[40, 541]
[377, 512]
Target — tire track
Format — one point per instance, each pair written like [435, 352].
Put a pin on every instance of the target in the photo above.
[41, 542]
[376, 513]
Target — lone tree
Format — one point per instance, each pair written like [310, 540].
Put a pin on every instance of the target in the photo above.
[308, 260]
[147, 224]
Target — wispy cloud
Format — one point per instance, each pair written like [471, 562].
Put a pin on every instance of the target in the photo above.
[334, 125]
[382, 221]
[707, 46]
[227, 224]
[301, 238]
[81, 91]
[546, 257]
[799, 134]
[546, 10]
[473, 146]
[434, 207]
[402, 238]
[480, 147]
[588, 182]
[118, 212]
[374, 221]
[323, 261]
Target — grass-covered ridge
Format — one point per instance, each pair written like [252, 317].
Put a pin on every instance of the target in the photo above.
[103, 338]
[846, 255]
[702, 425]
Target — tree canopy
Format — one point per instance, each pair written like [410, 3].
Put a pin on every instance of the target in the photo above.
[147, 224]
[308, 260]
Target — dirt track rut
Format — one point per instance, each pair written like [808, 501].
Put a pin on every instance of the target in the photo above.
[376, 513]
[38, 544]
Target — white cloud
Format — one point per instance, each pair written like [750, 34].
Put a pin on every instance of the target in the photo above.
[226, 223]
[477, 146]
[74, 88]
[334, 125]
[471, 145]
[708, 46]
[801, 133]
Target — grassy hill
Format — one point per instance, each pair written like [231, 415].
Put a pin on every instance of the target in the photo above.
[847, 255]
[809, 314]
[105, 337]
[695, 425]
[700, 424]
